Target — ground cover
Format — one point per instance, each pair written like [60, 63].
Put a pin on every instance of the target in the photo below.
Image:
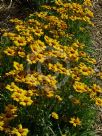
[48, 72]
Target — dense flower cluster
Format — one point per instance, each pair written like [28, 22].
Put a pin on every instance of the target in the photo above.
[44, 51]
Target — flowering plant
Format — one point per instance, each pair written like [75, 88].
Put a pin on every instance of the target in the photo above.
[47, 73]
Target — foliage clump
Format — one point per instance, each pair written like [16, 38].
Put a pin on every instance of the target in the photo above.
[47, 73]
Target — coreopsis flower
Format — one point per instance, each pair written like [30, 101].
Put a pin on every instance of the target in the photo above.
[98, 101]
[92, 95]
[90, 60]
[12, 87]
[59, 2]
[55, 115]
[19, 41]
[56, 54]
[37, 47]
[21, 54]
[58, 98]
[17, 96]
[87, 19]
[19, 78]
[99, 75]
[46, 6]
[11, 108]
[16, 21]
[51, 42]
[50, 94]
[33, 58]
[12, 73]
[89, 12]
[10, 34]
[62, 25]
[87, 3]
[82, 54]
[18, 66]
[41, 14]
[80, 87]
[10, 51]
[29, 39]
[20, 91]
[61, 10]
[38, 23]
[58, 68]
[96, 88]
[38, 32]
[78, 45]
[75, 74]
[75, 101]
[73, 54]
[20, 27]
[1, 125]
[25, 101]
[19, 131]
[85, 70]
[8, 116]
[75, 121]
[30, 93]
[31, 80]
[64, 16]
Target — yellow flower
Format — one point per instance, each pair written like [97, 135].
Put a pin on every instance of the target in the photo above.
[80, 87]
[30, 93]
[16, 21]
[75, 121]
[8, 116]
[86, 71]
[89, 12]
[21, 54]
[19, 41]
[96, 88]
[38, 32]
[93, 95]
[59, 2]
[33, 58]
[31, 80]
[82, 54]
[12, 87]
[29, 38]
[55, 115]
[75, 101]
[100, 75]
[9, 34]
[98, 101]
[20, 78]
[18, 66]
[20, 27]
[1, 125]
[12, 73]
[87, 3]
[10, 51]
[58, 68]
[75, 74]
[37, 47]
[58, 98]
[50, 94]
[26, 101]
[20, 91]
[10, 108]
[90, 60]
[20, 131]
[17, 96]
[73, 54]
[41, 14]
